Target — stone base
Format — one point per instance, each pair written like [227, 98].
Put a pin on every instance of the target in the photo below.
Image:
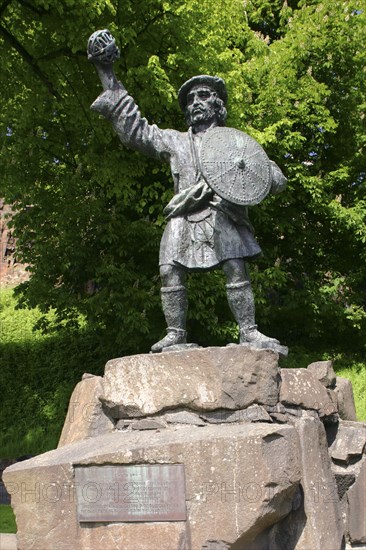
[8, 542]
[233, 490]
[268, 464]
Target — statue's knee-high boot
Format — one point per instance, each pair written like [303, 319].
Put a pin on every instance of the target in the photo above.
[175, 305]
[241, 301]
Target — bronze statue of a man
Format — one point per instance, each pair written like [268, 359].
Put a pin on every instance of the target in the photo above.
[204, 230]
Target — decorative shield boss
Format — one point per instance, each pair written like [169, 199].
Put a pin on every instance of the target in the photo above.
[235, 166]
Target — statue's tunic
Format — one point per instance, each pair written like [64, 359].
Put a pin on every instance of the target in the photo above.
[203, 230]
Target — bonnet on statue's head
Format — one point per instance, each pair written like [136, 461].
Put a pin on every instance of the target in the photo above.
[214, 82]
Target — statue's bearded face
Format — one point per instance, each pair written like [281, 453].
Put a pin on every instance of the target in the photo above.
[201, 106]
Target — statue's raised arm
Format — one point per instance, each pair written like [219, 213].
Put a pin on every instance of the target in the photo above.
[119, 107]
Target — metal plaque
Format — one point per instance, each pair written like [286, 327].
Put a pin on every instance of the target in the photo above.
[148, 492]
[235, 166]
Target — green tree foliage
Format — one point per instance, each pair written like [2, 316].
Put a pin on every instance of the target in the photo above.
[90, 211]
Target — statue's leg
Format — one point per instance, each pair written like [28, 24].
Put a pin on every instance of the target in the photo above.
[241, 302]
[175, 304]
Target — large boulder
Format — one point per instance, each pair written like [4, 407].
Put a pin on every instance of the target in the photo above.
[347, 444]
[197, 379]
[239, 481]
[324, 372]
[316, 522]
[323, 529]
[346, 402]
[347, 441]
[301, 388]
[357, 507]
[85, 417]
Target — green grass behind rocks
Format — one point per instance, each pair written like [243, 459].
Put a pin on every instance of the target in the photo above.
[7, 519]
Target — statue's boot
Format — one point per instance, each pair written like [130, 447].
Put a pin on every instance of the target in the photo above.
[175, 304]
[241, 302]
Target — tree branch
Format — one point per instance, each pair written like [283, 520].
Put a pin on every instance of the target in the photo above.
[30, 60]
[150, 22]
[76, 94]
[59, 157]
[60, 52]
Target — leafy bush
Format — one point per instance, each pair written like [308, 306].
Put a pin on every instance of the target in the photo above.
[38, 374]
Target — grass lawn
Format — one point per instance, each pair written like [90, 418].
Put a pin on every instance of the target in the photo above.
[356, 372]
[7, 519]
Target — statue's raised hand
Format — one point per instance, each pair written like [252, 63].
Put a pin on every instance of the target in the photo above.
[103, 52]
[102, 48]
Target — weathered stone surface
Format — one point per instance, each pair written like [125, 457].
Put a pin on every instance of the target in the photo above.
[345, 477]
[281, 418]
[133, 536]
[184, 417]
[87, 375]
[254, 413]
[293, 411]
[215, 545]
[348, 441]
[357, 507]
[324, 372]
[277, 408]
[123, 423]
[301, 388]
[323, 529]
[351, 484]
[283, 414]
[333, 397]
[8, 542]
[285, 534]
[148, 424]
[197, 379]
[345, 400]
[85, 416]
[239, 481]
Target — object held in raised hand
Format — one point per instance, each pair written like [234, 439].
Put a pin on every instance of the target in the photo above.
[102, 47]
[103, 52]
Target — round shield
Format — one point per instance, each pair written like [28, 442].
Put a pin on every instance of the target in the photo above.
[235, 166]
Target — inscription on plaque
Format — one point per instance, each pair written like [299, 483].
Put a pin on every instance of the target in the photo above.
[144, 492]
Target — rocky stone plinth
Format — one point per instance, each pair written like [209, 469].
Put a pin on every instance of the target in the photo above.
[268, 463]
[232, 490]
[345, 400]
[85, 417]
[197, 379]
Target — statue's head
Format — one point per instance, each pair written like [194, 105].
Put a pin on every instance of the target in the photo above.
[203, 100]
